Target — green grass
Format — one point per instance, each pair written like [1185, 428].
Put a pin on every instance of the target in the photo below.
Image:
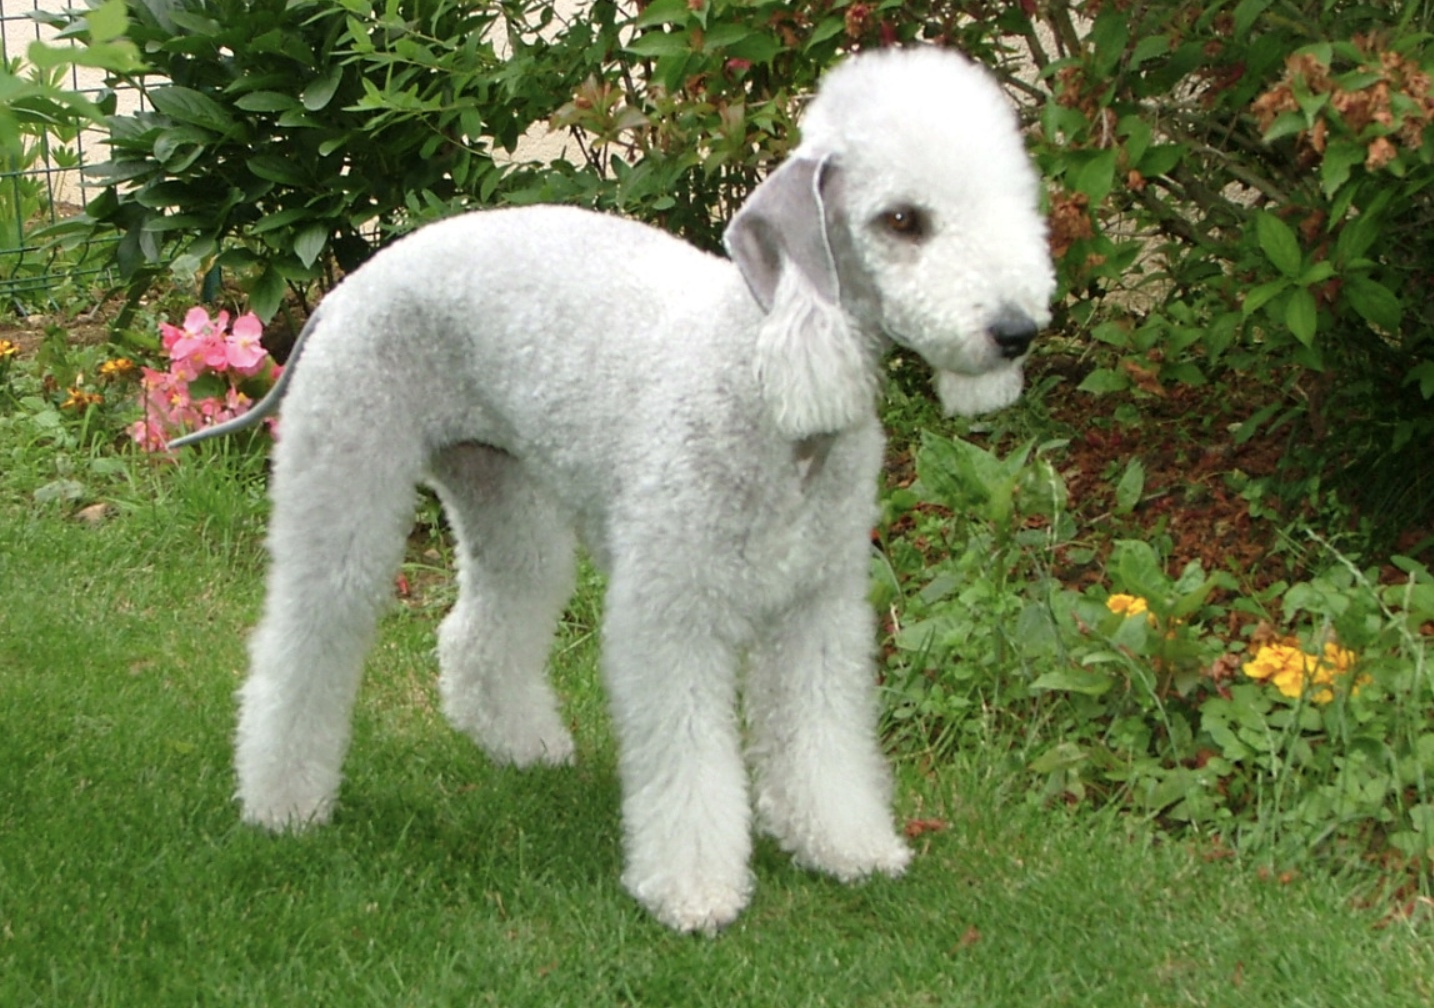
[125, 878]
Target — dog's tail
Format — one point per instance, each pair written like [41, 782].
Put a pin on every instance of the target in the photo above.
[264, 407]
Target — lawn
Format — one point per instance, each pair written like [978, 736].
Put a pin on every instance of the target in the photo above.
[126, 879]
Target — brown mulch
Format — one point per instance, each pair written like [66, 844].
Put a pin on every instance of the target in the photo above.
[29, 332]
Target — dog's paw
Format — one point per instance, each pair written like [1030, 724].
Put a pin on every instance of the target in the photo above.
[527, 735]
[886, 855]
[548, 743]
[550, 749]
[701, 906]
[285, 814]
[284, 795]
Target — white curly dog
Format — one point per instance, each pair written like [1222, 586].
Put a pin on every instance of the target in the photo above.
[706, 428]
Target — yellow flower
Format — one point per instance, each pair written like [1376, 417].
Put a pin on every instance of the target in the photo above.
[117, 368]
[8, 349]
[1295, 671]
[1134, 605]
[1129, 605]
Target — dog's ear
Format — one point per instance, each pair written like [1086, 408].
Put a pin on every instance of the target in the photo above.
[782, 227]
[815, 372]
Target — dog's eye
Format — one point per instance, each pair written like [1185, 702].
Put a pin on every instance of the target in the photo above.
[908, 223]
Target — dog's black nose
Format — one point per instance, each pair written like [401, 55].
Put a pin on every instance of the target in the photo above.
[1013, 332]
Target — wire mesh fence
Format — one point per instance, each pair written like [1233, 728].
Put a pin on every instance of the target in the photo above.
[44, 183]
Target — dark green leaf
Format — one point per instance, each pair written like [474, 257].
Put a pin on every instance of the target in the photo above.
[723, 35]
[1376, 303]
[660, 43]
[1160, 160]
[1259, 296]
[180, 146]
[758, 48]
[281, 219]
[1302, 315]
[1286, 124]
[190, 106]
[310, 242]
[321, 90]
[1278, 242]
[1137, 570]
[1096, 177]
[1131, 486]
[663, 12]
[1246, 13]
[265, 101]
[266, 293]
[1340, 158]
[1148, 48]
[195, 23]
[277, 168]
[1090, 682]
[1103, 380]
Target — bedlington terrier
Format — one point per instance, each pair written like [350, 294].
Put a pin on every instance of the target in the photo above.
[706, 428]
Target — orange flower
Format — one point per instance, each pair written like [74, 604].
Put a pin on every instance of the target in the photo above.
[79, 399]
[117, 368]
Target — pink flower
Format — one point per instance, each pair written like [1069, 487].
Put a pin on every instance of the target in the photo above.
[157, 386]
[186, 370]
[169, 335]
[237, 402]
[202, 341]
[199, 348]
[244, 351]
[149, 434]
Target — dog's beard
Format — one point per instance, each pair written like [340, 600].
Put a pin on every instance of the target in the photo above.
[972, 395]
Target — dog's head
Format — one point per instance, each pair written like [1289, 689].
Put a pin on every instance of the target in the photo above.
[909, 213]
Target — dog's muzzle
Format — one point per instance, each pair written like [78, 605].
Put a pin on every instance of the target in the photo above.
[1013, 332]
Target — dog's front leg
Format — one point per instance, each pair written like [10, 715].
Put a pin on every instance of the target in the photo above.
[672, 684]
[822, 785]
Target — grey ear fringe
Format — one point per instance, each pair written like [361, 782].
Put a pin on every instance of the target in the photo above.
[265, 407]
[816, 374]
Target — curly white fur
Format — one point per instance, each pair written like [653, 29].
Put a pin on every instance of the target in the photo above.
[707, 430]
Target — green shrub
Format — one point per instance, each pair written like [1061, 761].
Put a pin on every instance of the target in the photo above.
[1236, 185]
[282, 138]
[286, 140]
[1245, 187]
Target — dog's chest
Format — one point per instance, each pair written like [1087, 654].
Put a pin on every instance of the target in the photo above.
[807, 524]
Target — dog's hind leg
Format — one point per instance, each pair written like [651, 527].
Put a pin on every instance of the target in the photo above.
[822, 785]
[341, 517]
[515, 572]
